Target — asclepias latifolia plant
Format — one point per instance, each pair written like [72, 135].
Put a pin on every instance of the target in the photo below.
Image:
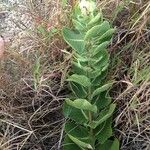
[89, 108]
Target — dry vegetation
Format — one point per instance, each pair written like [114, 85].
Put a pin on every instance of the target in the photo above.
[32, 73]
[35, 64]
[131, 69]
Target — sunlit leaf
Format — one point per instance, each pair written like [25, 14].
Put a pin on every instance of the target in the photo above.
[104, 131]
[78, 25]
[68, 144]
[74, 114]
[76, 130]
[109, 145]
[101, 89]
[106, 36]
[101, 48]
[97, 30]
[80, 143]
[75, 40]
[94, 20]
[78, 90]
[103, 116]
[82, 104]
[80, 79]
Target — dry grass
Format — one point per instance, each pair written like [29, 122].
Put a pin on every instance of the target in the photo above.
[130, 67]
[34, 68]
[32, 82]
[132, 94]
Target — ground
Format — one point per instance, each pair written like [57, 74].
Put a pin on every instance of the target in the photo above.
[34, 67]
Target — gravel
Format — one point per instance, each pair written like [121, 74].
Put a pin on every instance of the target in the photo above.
[13, 18]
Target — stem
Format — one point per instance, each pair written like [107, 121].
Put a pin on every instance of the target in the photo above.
[89, 98]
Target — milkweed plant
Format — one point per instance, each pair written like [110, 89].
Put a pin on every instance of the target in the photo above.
[88, 109]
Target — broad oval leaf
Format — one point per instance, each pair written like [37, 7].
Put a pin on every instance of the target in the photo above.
[80, 143]
[102, 101]
[103, 116]
[80, 69]
[98, 79]
[101, 89]
[68, 144]
[106, 36]
[78, 25]
[80, 79]
[82, 104]
[104, 131]
[102, 63]
[97, 30]
[75, 40]
[109, 145]
[115, 145]
[101, 47]
[78, 90]
[94, 20]
[74, 114]
[76, 130]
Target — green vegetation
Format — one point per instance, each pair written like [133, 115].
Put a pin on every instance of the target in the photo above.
[89, 108]
[51, 64]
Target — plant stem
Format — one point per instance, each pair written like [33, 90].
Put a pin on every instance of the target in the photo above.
[89, 98]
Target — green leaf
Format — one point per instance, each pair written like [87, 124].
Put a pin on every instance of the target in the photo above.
[106, 36]
[115, 145]
[76, 130]
[94, 20]
[103, 116]
[101, 89]
[68, 144]
[104, 131]
[81, 69]
[80, 143]
[80, 79]
[98, 79]
[97, 30]
[78, 25]
[102, 63]
[109, 145]
[74, 114]
[94, 73]
[102, 101]
[78, 90]
[82, 104]
[75, 40]
[101, 48]
[80, 58]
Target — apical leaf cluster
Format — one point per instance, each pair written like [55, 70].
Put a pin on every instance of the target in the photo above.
[89, 108]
